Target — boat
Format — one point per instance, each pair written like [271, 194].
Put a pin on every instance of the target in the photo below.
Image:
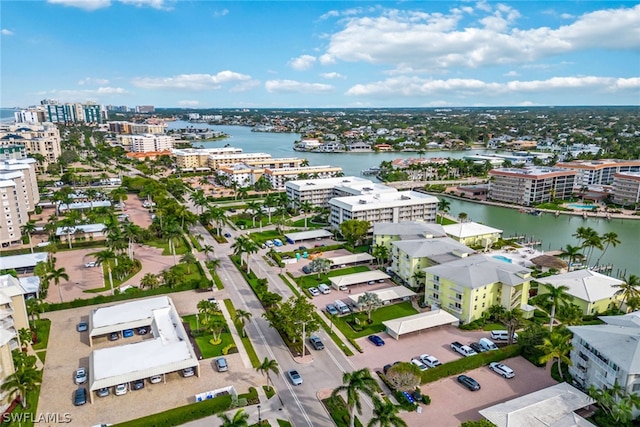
[557, 214]
[584, 215]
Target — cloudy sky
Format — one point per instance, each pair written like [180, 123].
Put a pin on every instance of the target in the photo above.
[275, 54]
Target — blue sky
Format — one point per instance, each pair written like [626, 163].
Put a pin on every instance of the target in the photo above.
[281, 54]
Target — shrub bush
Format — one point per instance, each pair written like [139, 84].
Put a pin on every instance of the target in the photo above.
[230, 349]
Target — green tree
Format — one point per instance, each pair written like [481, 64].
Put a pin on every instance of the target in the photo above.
[479, 423]
[268, 365]
[241, 317]
[404, 376]
[239, 419]
[28, 229]
[23, 381]
[150, 281]
[56, 274]
[188, 259]
[609, 239]
[354, 383]
[106, 257]
[208, 249]
[629, 289]
[443, 206]
[385, 414]
[295, 317]
[369, 302]
[354, 230]
[512, 320]
[572, 253]
[320, 265]
[556, 347]
[207, 309]
[381, 253]
[555, 295]
[255, 208]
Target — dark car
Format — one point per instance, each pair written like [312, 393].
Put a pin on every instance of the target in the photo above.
[332, 310]
[316, 342]
[227, 235]
[476, 347]
[306, 269]
[114, 336]
[302, 248]
[82, 326]
[376, 340]
[138, 384]
[469, 382]
[80, 396]
[389, 366]
[103, 392]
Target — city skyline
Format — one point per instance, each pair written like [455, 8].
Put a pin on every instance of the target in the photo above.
[264, 54]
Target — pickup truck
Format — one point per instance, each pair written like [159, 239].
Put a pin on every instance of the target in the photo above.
[464, 350]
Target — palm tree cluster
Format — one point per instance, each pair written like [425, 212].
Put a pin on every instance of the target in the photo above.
[24, 380]
[244, 245]
[589, 240]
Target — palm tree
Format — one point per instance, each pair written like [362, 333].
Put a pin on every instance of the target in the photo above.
[609, 239]
[443, 206]
[241, 317]
[571, 252]
[250, 248]
[150, 281]
[269, 201]
[105, 257]
[385, 414]
[208, 249]
[21, 382]
[239, 419]
[238, 247]
[28, 229]
[629, 289]
[188, 259]
[555, 294]
[556, 347]
[381, 253]
[353, 383]
[255, 209]
[512, 320]
[268, 365]
[56, 274]
[305, 208]
[462, 216]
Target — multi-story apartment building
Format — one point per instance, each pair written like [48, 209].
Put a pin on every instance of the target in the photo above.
[384, 234]
[318, 192]
[609, 354]
[13, 317]
[189, 159]
[73, 112]
[598, 172]
[467, 287]
[473, 233]
[626, 188]
[279, 176]
[384, 207]
[33, 115]
[530, 185]
[41, 138]
[216, 161]
[12, 152]
[146, 143]
[19, 195]
[131, 128]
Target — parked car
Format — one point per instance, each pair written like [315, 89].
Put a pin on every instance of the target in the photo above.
[389, 366]
[227, 235]
[503, 335]
[501, 369]
[430, 361]
[316, 342]
[127, 333]
[82, 327]
[114, 336]
[142, 331]
[469, 382]
[221, 364]
[376, 340]
[80, 376]
[306, 269]
[103, 392]
[294, 377]
[120, 389]
[138, 384]
[464, 350]
[302, 248]
[332, 310]
[487, 344]
[314, 291]
[91, 264]
[419, 364]
[80, 396]
[155, 379]
[188, 372]
[476, 347]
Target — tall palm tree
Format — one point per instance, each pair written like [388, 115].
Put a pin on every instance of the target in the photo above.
[385, 414]
[255, 209]
[571, 252]
[21, 382]
[557, 295]
[150, 280]
[238, 247]
[629, 289]
[56, 274]
[609, 239]
[188, 258]
[443, 206]
[381, 253]
[241, 317]
[268, 365]
[105, 257]
[208, 249]
[353, 383]
[269, 201]
[250, 248]
[28, 229]
[556, 347]
[512, 320]
[306, 208]
[239, 419]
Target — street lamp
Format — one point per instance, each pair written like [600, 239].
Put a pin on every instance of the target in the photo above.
[259, 418]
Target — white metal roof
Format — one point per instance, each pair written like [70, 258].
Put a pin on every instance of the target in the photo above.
[418, 322]
[586, 285]
[308, 235]
[386, 294]
[355, 278]
[548, 407]
[127, 315]
[351, 258]
[21, 261]
[84, 228]
[469, 229]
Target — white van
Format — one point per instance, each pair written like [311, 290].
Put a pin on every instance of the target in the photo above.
[342, 307]
[487, 344]
[502, 335]
[324, 289]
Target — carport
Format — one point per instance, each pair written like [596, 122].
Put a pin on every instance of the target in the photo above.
[351, 259]
[292, 238]
[170, 350]
[419, 322]
[387, 295]
[357, 278]
[24, 263]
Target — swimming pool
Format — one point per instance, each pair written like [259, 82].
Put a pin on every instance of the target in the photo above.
[502, 258]
[585, 207]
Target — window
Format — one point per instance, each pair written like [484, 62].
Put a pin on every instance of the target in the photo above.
[482, 305]
[436, 287]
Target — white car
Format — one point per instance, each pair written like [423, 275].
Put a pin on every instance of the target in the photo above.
[430, 361]
[121, 389]
[90, 264]
[501, 369]
[81, 376]
[314, 291]
[155, 379]
[419, 364]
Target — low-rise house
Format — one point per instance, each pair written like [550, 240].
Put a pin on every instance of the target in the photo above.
[473, 233]
[386, 233]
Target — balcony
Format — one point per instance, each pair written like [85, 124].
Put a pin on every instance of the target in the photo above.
[454, 308]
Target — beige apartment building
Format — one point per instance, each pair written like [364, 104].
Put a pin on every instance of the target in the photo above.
[598, 172]
[626, 188]
[146, 143]
[19, 195]
[531, 185]
[130, 128]
[198, 159]
[37, 138]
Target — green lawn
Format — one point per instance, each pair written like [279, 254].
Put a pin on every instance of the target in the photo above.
[207, 349]
[181, 246]
[248, 346]
[42, 333]
[262, 236]
[386, 312]
[313, 280]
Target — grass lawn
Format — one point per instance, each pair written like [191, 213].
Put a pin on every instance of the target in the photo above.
[42, 333]
[493, 327]
[42, 355]
[262, 236]
[248, 346]
[313, 280]
[300, 224]
[181, 246]
[206, 348]
[445, 221]
[386, 312]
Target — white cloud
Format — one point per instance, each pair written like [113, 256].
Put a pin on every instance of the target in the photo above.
[189, 103]
[422, 41]
[332, 75]
[219, 13]
[72, 95]
[511, 73]
[6, 32]
[90, 5]
[191, 81]
[155, 4]
[92, 80]
[292, 86]
[303, 62]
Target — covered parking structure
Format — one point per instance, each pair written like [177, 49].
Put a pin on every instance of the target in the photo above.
[170, 349]
[357, 278]
[351, 259]
[24, 263]
[419, 322]
[293, 238]
[387, 295]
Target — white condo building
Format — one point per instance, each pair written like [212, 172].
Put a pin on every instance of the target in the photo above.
[146, 143]
[384, 207]
[318, 192]
[19, 195]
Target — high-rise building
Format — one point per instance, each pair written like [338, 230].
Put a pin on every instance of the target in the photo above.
[19, 195]
[531, 185]
[37, 138]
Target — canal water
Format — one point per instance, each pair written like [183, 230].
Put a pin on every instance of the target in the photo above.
[553, 232]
